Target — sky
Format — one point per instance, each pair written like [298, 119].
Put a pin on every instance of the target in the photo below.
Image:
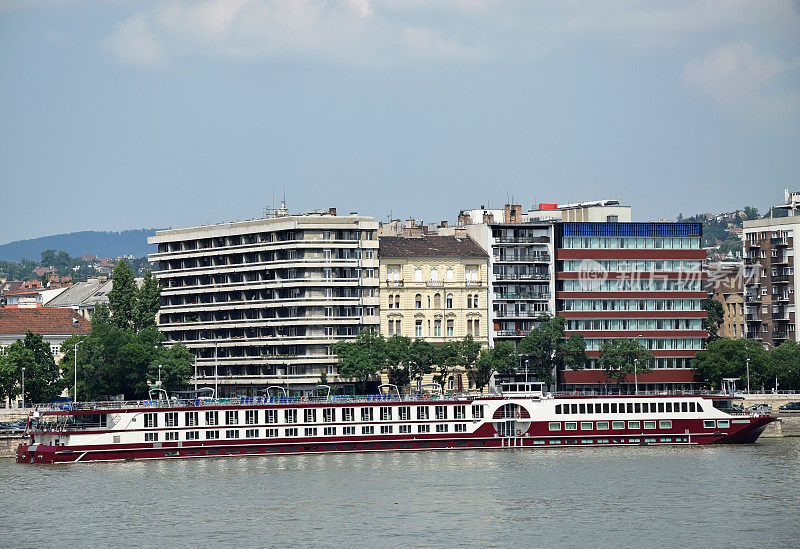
[123, 114]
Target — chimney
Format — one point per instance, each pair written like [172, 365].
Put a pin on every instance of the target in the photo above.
[332, 211]
[512, 213]
[488, 218]
[444, 223]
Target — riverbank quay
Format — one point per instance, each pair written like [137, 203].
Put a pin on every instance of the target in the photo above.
[788, 424]
[8, 445]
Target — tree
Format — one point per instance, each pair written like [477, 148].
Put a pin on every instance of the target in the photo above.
[397, 356]
[728, 358]
[483, 370]
[447, 358]
[785, 364]
[501, 359]
[623, 357]
[550, 351]
[176, 367]
[572, 352]
[122, 299]
[148, 301]
[9, 377]
[715, 318]
[42, 375]
[421, 358]
[361, 359]
[750, 213]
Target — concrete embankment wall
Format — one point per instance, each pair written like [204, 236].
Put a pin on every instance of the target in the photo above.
[786, 426]
[8, 445]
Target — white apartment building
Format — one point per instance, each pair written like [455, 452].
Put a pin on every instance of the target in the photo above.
[261, 302]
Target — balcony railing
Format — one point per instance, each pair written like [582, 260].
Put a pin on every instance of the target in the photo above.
[779, 241]
[536, 276]
[434, 284]
[394, 283]
[523, 295]
[523, 239]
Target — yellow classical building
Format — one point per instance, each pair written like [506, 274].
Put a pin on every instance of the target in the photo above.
[433, 288]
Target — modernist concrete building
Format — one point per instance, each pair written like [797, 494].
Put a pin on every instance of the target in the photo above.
[433, 288]
[771, 303]
[261, 302]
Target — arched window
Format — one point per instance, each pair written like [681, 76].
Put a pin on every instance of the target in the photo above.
[475, 301]
[391, 301]
[437, 301]
[429, 302]
[469, 301]
[397, 301]
[418, 301]
[449, 301]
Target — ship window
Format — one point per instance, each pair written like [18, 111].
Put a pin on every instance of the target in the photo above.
[602, 425]
[554, 426]
[171, 435]
[251, 417]
[617, 424]
[329, 431]
[348, 414]
[171, 419]
[191, 419]
[597, 408]
[405, 428]
[290, 432]
[649, 424]
[574, 408]
[613, 407]
[459, 412]
[555, 442]
[669, 407]
[637, 408]
[441, 412]
[566, 408]
[684, 407]
[310, 415]
[150, 437]
[571, 426]
[251, 433]
[290, 416]
[386, 429]
[192, 435]
[116, 438]
[423, 428]
[423, 412]
[231, 417]
[582, 408]
[366, 414]
[691, 406]
[329, 415]
[724, 423]
[150, 420]
[212, 418]
[629, 405]
[348, 430]
[709, 423]
[660, 407]
[271, 433]
[558, 408]
[605, 407]
[441, 428]
[665, 424]
[386, 413]
[460, 427]
[477, 411]
[404, 413]
[311, 431]
[586, 426]
[232, 433]
[212, 434]
[271, 416]
[699, 407]
[634, 425]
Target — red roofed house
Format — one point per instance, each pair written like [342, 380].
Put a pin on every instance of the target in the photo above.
[55, 325]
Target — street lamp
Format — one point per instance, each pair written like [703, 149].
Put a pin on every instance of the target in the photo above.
[75, 394]
[216, 371]
[159, 376]
[747, 362]
[23, 386]
[635, 369]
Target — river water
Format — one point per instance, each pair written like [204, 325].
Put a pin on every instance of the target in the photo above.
[710, 496]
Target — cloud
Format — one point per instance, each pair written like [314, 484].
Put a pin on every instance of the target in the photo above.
[737, 78]
[133, 43]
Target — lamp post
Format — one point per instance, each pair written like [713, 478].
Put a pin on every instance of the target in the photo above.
[75, 393]
[195, 373]
[159, 376]
[635, 368]
[747, 362]
[216, 371]
[23, 386]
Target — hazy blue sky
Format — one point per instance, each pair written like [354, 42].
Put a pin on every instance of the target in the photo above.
[123, 114]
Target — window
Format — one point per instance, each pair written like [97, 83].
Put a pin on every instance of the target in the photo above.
[634, 425]
[348, 414]
[251, 433]
[449, 301]
[386, 413]
[329, 415]
[151, 437]
[602, 425]
[441, 412]
[368, 430]
[348, 430]
[232, 433]
[554, 426]
[231, 417]
[586, 425]
[723, 423]
[311, 431]
[477, 411]
[449, 274]
[290, 416]
[418, 328]
[441, 428]
[271, 433]
[423, 428]
[649, 424]
[450, 328]
[423, 412]
[171, 435]
[250, 417]
[665, 424]
[386, 429]
[210, 435]
[310, 415]
[191, 419]
[460, 427]
[418, 301]
[329, 431]
[290, 432]
[709, 423]
[271, 416]
[404, 413]
[150, 420]
[366, 414]
[437, 301]
[171, 419]
[192, 435]
[617, 424]
[571, 426]
[459, 412]
[437, 328]
[405, 429]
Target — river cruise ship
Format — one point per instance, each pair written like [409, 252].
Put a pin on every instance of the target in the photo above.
[521, 415]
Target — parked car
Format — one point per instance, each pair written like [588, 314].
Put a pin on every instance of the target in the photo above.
[791, 406]
[763, 407]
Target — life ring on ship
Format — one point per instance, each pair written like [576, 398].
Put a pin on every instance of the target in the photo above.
[519, 413]
[519, 432]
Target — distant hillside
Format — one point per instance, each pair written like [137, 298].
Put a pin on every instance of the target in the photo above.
[99, 243]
